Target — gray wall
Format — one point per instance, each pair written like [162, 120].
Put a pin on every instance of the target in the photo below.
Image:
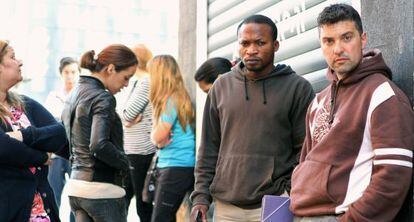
[187, 42]
[390, 28]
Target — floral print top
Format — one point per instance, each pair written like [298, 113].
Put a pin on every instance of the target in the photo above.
[19, 121]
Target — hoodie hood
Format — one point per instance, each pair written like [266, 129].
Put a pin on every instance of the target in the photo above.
[278, 70]
[372, 63]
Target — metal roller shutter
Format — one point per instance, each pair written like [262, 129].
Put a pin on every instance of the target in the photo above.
[297, 32]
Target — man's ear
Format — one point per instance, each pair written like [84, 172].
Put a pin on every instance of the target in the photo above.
[276, 45]
[364, 39]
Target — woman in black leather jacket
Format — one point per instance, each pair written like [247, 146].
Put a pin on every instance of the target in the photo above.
[95, 134]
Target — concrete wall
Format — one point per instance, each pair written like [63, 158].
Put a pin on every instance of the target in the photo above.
[187, 42]
[187, 55]
[192, 50]
[390, 28]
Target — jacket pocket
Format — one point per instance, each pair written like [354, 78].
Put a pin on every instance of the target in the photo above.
[243, 179]
[310, 185]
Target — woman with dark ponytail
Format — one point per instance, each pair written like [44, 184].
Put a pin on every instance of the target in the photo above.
[99, 164]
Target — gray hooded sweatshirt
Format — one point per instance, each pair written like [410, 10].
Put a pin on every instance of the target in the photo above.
[252, 133]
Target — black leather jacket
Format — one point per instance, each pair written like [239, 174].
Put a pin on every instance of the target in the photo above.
[95, 134]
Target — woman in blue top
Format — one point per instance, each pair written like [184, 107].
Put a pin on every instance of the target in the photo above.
[173, 117]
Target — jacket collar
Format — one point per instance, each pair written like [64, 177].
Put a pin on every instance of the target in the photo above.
[91, 80]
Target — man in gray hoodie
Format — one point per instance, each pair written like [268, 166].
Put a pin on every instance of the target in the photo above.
[253, 129]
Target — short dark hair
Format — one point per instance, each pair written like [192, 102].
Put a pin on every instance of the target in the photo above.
[67, 61]
[211, 69]
[260, 19]
[340, 12]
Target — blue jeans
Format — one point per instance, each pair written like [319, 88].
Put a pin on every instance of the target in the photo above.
[98, 210]
[56, 178]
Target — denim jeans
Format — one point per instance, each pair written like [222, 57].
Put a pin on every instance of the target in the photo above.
[56, 178]
[98, 210]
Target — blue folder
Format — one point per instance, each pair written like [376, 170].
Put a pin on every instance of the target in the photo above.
[276, 209]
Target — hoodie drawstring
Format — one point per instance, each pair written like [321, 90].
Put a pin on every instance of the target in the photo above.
[334, 93]
[264, 92]
[245, 88]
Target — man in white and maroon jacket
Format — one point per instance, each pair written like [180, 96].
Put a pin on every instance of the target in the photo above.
[356, 160]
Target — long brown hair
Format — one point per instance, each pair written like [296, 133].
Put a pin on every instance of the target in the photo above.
[13, 99]
[167, 84]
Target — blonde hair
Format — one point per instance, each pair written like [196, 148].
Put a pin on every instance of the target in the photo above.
[13, 99]
[143, 55]
[167, 84]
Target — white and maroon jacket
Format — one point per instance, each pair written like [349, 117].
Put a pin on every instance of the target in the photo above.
[356, 160]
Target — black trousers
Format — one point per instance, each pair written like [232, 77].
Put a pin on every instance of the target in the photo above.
[135, 183]
[172, 185]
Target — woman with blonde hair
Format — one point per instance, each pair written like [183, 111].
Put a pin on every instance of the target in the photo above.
[173, 134]
[27, 132]
[136, 114]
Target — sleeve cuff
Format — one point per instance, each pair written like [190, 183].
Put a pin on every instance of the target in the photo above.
[27, 135]
[200, 199]
[38, 158]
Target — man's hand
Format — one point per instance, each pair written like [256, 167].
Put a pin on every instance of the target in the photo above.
[16, 135]
[135, 121]
[199, 209]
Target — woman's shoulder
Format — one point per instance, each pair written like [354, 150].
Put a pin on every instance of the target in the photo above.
[105, 98]
[30, 102]
[144, 81]
[171, 103]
